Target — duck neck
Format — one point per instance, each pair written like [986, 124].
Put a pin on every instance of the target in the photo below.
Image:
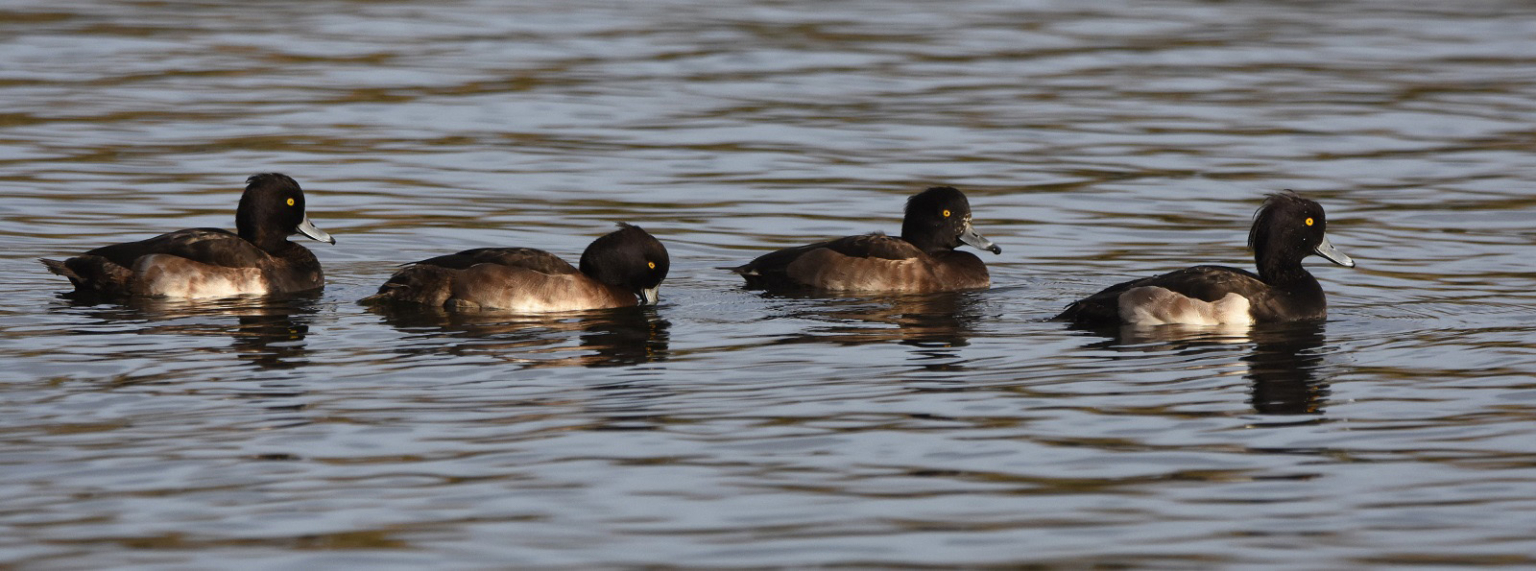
[1285, 272]
[246, 226]
[267, 241]
[925, 241]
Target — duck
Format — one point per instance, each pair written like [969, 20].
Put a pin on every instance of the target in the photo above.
[922, 260]
[256, 259]
[623, 268]
[1286, 229]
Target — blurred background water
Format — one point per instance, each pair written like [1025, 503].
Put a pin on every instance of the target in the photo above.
[1097, 142]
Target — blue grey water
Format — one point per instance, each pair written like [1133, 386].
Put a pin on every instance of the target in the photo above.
[1097, 142]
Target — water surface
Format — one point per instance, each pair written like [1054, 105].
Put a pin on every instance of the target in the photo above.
[724, 427]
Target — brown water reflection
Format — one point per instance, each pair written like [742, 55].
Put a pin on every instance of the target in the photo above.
[930, 321]
[607, 338]
[1285, 364]
[267, 332]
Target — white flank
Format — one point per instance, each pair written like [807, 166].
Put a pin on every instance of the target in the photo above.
[165, 275]
[1160, 306]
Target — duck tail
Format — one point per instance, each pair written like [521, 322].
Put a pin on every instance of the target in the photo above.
[425, 285]
[58, 267]
[387, 293]
[1070, 313]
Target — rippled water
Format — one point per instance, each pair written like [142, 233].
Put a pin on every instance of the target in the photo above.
[1097, 141]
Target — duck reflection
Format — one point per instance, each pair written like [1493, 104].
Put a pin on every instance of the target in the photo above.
[272, 337]
[604, 338]
[933, 323]
[1283, 364]
[1284, 367]
[269, 332]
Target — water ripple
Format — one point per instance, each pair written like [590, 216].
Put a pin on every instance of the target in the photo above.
[729, 428]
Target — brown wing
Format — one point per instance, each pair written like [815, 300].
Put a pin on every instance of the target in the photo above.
[529, 258]
[513, 279]
[870, 253]
[210, 246]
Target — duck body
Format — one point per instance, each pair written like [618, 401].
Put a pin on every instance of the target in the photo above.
[211, 262]
[192, 263]
[1286, 229]
[621, 269]
[867, 263]
[922, 260]
[1201, 295]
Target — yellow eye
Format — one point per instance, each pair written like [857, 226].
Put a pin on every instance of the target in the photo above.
[946, 213]
[651, 264]
[1309, 222]
[290, 203]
